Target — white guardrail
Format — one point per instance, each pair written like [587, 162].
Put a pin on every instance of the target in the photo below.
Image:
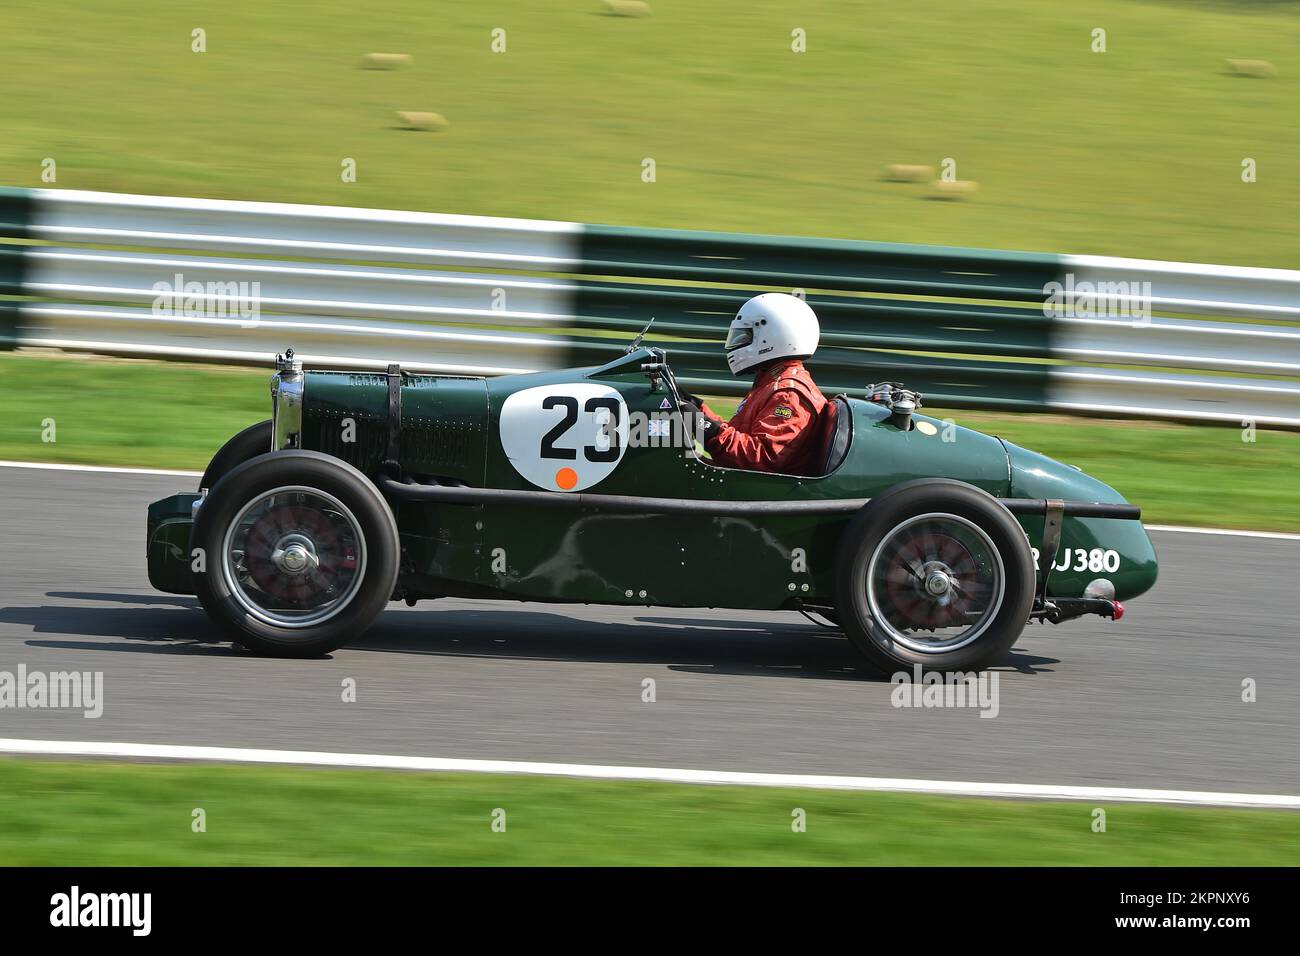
[474, 295]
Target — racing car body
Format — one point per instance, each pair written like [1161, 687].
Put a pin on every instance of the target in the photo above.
[927, 542]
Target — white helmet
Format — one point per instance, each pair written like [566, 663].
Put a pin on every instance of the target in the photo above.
[768, 326]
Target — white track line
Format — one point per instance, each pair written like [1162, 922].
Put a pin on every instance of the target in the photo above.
[50, 466]
[1283, 536]
[659, 774]
[1280, 535]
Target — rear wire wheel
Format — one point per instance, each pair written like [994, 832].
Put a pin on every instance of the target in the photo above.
[934, 572]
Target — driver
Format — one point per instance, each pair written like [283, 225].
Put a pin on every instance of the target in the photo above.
[772, 429]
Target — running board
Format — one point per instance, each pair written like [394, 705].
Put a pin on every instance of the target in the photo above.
[465, 494]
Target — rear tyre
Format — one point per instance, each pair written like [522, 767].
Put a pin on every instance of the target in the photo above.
[937, 573]
[300, 554]
[252, 441]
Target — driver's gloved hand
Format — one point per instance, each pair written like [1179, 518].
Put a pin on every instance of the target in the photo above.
[705, 427]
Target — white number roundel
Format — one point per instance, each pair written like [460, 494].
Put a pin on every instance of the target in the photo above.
[564, 437]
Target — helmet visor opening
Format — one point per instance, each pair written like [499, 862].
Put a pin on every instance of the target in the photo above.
[738, 338]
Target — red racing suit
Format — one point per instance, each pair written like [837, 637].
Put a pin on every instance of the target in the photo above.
[773, 428]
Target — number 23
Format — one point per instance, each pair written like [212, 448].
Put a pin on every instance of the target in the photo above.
[570, 406]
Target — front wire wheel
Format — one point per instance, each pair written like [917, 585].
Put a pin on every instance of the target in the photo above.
[294, 557]
[301, 553]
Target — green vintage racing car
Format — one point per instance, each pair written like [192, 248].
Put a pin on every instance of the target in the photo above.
[926, 543]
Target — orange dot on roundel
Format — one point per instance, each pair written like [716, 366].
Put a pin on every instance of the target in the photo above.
[566, 478]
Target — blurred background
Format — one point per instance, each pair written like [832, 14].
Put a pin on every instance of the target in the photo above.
[1161, 130]
[1132, 152]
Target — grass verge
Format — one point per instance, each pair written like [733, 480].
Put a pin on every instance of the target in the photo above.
[99, 813]
[124, 412]
[174, 415]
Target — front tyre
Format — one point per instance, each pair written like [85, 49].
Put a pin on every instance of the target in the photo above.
[937, 573]
[300, 553]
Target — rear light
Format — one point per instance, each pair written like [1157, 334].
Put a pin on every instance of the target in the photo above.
[1118, 612]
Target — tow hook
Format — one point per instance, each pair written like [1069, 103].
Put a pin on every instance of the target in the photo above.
[1066, 609]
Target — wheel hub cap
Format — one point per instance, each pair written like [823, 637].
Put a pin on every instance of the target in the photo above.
[294, 554]
[938, 583]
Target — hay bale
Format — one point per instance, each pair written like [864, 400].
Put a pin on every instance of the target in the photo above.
[627, 8]
[384, 61]
[953, 189]
[422, 121]
[1259, 69]
[903, 173]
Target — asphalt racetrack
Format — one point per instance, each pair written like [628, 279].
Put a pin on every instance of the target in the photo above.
[1152, 701]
